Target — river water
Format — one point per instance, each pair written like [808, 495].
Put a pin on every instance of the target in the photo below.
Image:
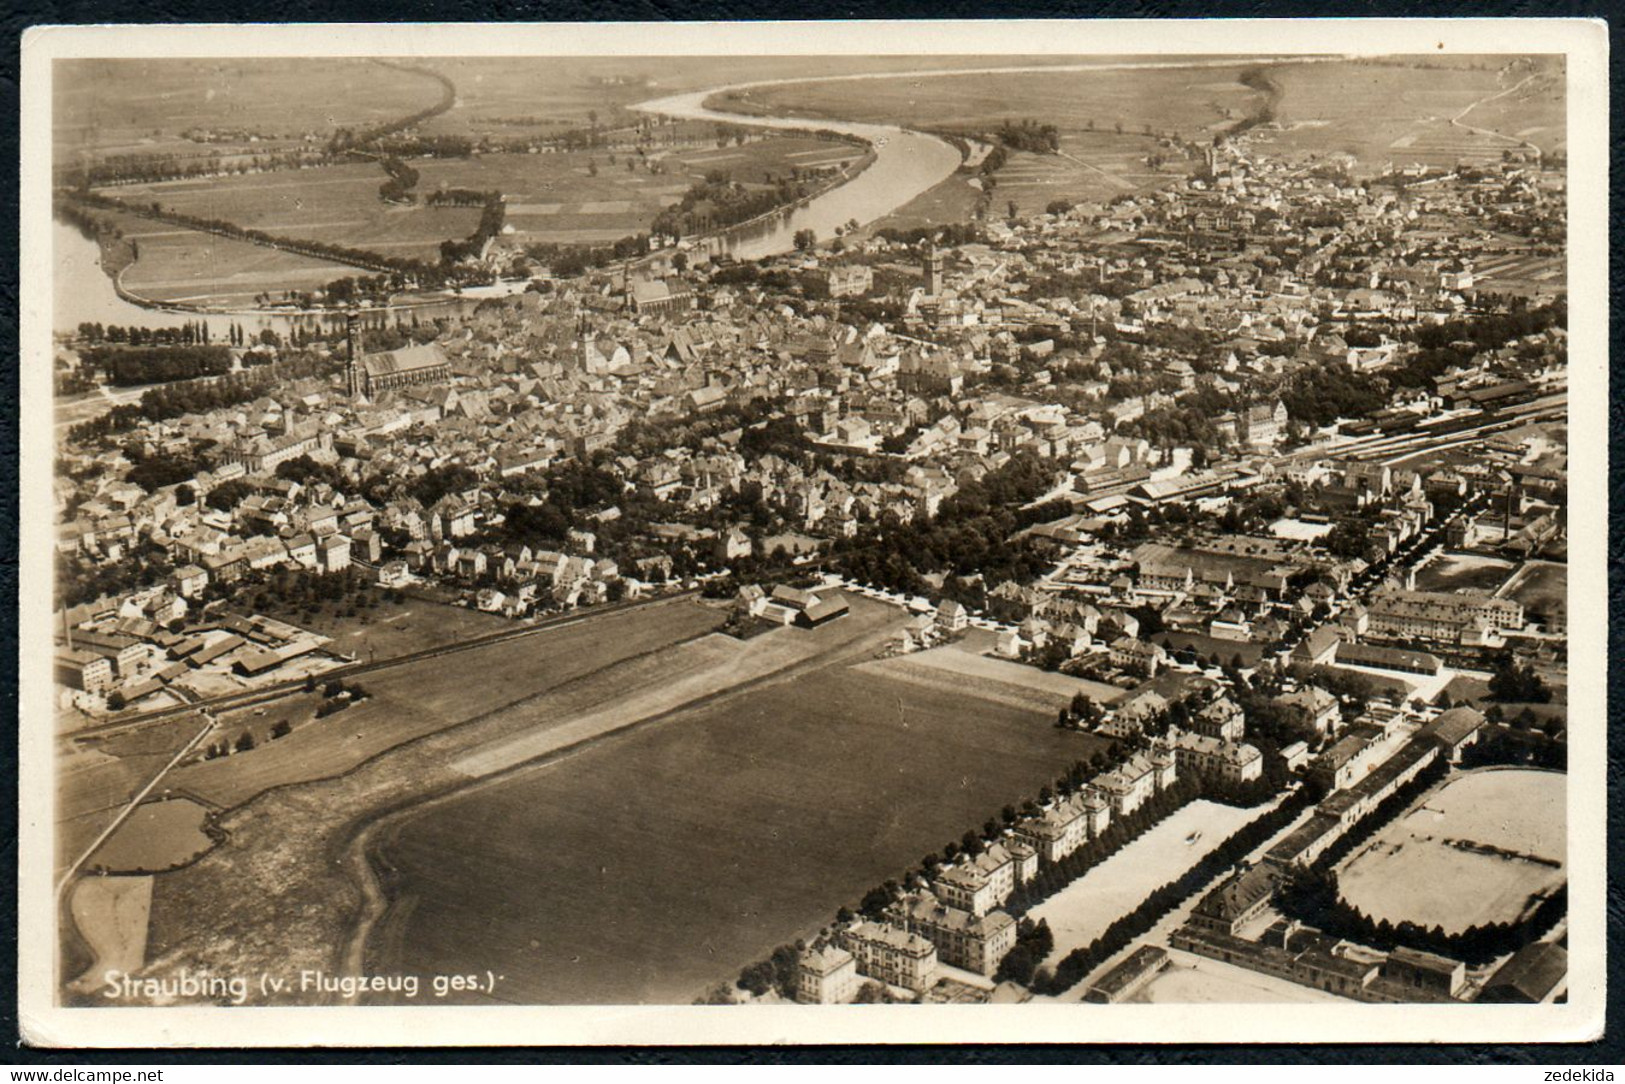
[906, 164]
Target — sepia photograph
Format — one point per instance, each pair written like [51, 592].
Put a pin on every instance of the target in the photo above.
[627, 533]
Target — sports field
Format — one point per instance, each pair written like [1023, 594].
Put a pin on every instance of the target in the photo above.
[1543, 588]
[1484, 848]
[1462, 572]
[743, 821]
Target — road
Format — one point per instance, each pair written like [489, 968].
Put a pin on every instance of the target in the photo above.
[140, 796]
[1488, 133]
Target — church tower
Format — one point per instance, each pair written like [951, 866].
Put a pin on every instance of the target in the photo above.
[933, 270]
[352, 360]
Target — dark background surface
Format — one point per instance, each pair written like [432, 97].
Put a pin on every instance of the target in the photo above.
[16, 17]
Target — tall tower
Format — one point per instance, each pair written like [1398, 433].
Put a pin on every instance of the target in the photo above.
[933, 270]
[352, 359]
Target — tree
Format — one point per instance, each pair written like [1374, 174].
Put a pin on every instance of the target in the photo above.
[805, 240]
[282, 729]
[245, 741]
[871, 993]
[115, 701]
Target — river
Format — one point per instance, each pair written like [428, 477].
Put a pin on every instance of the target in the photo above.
[906, 164]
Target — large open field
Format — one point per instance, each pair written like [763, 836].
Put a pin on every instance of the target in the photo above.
[965, 668]
[1543, 588]
[178, 264]
[1197, 980]
[643, 867]
[433, 695]
[1081, 912]
[570, 198]
[406, 703]
[336, 203]
[1483, 848]
[116, 106]
[1462, 572]
[1379, 113]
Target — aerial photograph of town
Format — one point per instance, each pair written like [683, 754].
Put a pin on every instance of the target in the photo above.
[807, 530]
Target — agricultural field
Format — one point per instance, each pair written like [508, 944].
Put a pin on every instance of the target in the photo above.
[1091, 167]
[571, 92]
[93, 785]
[1185, 100]
[952, 200]
[1001, 680]
[836, 779]
[1382, 113]
[568, 198]
[98, 780]
[1482, 849]
[1535, 111]
[424, 697]
[179, 264]
[280, 97]
[336, 203]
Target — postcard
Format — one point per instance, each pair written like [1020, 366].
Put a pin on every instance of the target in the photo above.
[1032, 531]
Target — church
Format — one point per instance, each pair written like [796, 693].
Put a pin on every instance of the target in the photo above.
[368, 375]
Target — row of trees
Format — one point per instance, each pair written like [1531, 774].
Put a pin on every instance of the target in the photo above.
[187, 334]
[1313, 897]
[1076, 965]
[127, 366]
[344, 139]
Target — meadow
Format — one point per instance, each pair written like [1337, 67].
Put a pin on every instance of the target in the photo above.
[157, 836]
[645, 866]
[567, 198]
[179, 264]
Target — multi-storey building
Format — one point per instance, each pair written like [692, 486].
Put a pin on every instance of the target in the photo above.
[1234, 762]
[1440, 615]
[828, 975]
[962, 939]
[891, 955]
[978, 884]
